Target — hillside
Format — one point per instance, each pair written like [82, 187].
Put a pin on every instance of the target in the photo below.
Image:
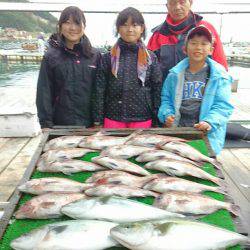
[28, 21]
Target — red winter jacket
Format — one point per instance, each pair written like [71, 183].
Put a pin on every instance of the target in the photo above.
[168, 41]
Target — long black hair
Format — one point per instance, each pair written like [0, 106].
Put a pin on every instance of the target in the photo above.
[136, 17]
[78, 17]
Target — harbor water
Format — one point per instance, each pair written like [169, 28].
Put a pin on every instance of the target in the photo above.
[26, 73]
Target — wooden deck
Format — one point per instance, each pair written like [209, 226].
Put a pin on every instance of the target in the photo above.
[16, 154]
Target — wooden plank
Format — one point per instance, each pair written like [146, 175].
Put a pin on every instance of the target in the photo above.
[240, 200]
[11, 149]
[9, 210]
[237, 172]
[243, 155]
[12, 175]
[3, 141]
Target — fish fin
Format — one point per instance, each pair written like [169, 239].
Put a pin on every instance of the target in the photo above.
[194, 216]
[234, 209]
[62, 158]
[47, 204]
[66, 173]
[154, 194]
[160, 144]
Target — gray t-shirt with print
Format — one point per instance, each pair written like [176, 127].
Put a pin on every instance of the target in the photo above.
[193, 90]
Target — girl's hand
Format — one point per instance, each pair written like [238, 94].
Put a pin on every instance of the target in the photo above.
[204, 126]
[169, 121]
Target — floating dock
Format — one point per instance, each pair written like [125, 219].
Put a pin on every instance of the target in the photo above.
[20, 55]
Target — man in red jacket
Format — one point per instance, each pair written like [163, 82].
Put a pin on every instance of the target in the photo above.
[168, 38]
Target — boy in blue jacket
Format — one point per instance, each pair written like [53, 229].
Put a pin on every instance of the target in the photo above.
[197, 91]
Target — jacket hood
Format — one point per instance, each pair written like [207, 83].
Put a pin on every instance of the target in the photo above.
[216, 69]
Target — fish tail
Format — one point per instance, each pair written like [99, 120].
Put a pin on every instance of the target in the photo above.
[135, 133]
[221, 189]
[234, 209]
[220, 182]
[216, 163]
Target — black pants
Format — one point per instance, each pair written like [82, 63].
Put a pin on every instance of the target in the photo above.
[237, 132]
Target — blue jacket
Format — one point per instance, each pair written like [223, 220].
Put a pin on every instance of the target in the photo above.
[215, 106]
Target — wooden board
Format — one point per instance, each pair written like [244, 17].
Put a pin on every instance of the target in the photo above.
[13, 173]
[243, 155]
[237, 175]
[10, 150]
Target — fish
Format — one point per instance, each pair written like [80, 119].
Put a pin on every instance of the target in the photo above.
[178, 168]
[63, 142]
[175, 234]
[192, 203]
[61, 155]
[151, 140]
[46, 206]
[154, 155]
[189, 152]
[53, 184]
[124, 151]
[163, 184]
[70, 166]
[120, 177]
[118, 190]
[68, 235]
[104, 174]
[116, 209]
[101, 140]
[133, 181]
[120, 164]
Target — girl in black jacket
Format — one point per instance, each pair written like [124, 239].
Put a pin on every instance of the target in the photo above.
[128, 81]
[67, 73]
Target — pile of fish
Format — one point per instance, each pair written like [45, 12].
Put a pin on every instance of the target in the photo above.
[101, 205]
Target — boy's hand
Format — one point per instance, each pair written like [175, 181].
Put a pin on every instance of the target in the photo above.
[204, 126]
[169, 121]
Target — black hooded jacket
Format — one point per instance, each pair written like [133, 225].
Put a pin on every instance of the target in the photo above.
[65, 84]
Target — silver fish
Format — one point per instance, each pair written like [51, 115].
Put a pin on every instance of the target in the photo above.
[61, 154]
[191, 203]
[164, 184]
[120, 164]
[124, 151]
[115, 209]
[178, 168]
[189, 152]
[46, 205]
[175, 234]
[151, 140]
[100, 140]
[53, 184]
[118, 190]
[160, 154]
[68, 235]
[63, 142]
[70, 166]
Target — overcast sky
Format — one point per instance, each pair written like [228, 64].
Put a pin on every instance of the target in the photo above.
[100, 27]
